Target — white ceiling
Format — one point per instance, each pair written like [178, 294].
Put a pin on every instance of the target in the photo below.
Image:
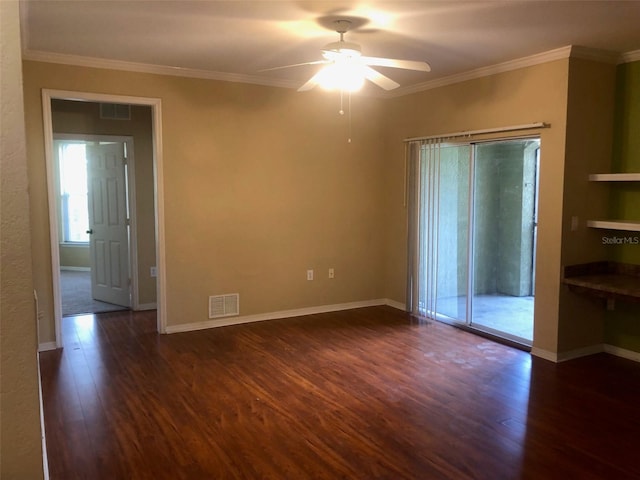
[239, 38]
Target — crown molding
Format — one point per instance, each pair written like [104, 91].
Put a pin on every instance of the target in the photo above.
[629, 57]
[570, 51]
[93, 62]
[551, 55]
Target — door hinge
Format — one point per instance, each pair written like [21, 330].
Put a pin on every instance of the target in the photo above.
[128, 222]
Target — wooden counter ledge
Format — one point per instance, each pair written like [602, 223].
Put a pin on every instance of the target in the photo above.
[609, 280]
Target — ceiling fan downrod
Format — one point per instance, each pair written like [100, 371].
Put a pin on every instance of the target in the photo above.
[342, 26]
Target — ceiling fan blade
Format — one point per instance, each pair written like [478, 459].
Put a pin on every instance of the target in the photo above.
[317, 62]
[395, 63]
[312, 82]
[379, 79]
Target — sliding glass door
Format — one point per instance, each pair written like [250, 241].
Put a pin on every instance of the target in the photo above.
[504, 229]
[475, 231]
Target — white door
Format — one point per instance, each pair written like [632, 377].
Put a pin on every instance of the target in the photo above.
[109, 239]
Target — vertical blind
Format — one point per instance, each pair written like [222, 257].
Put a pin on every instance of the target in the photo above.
[423, 205]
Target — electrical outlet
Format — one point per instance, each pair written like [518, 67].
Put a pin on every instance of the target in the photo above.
[154, 271]
[309, 274]
[332, 273]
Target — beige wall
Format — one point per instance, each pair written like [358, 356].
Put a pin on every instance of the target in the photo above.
[70, 117]
[20, 435]
[590, 120]
[74, 256]
[260, 185]
[533, 94]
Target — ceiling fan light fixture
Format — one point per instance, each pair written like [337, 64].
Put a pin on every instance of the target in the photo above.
[343, 76]
[346, 68]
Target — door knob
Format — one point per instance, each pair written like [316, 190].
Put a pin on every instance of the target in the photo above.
[90, 231]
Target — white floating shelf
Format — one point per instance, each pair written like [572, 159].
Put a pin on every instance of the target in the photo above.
[626, 225]
[614, 177]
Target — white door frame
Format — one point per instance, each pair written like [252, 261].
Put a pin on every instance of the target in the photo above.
[130, 192]
[156, 112]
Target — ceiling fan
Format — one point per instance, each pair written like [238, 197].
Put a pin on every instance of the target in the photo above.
[345, 68]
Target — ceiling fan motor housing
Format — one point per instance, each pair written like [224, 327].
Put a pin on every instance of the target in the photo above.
[343, 48]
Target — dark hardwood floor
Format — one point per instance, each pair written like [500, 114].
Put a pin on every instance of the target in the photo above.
[360, 394]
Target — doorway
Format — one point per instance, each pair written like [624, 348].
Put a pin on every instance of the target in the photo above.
[95, 187]
[478, 243]
[155, 176]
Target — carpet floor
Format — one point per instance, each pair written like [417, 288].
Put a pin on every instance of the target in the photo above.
[76, 295]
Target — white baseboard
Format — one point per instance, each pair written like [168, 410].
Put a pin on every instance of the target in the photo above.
[580, 352]
[146, 306]
[45, 458]
[622, 352]
[46, 346]
[586, 351]
[535, 351]
[394, 304]
[75, 269]
[569, 355]
[188, 327]
[544, 354]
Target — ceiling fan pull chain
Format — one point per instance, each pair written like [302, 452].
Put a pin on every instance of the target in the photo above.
[341, 111]
[349, 141]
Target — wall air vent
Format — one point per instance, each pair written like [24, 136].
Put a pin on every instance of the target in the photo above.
[115, 111]
[224, 305]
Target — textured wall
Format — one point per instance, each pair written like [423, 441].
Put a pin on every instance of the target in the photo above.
[504, 192]
[453, 225]
[20, 437]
